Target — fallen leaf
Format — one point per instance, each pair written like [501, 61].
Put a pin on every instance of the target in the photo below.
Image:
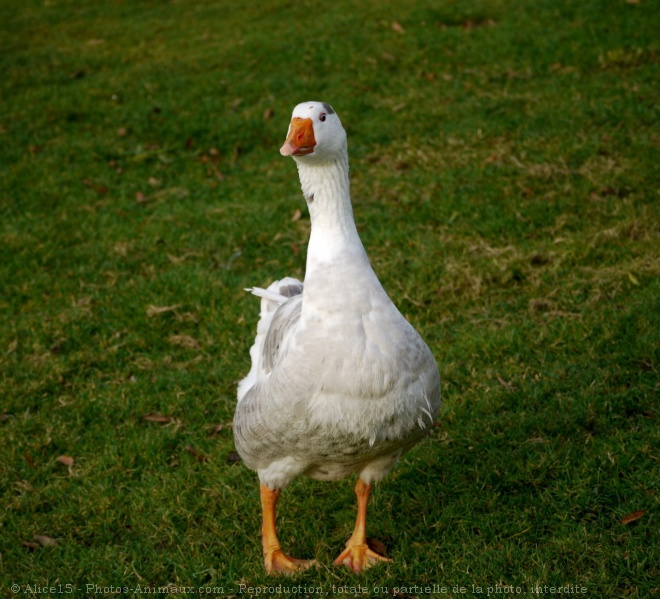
[397, 27]
[140, 198]
[296, 216]
[632, 517]
[156, 310]
[65, 460]
[218, 428]
[153, 182]
[157, 417]
[633, 279]
[201, 458]
[233, 457]
[44, 541]
[377, 546]
[269, 113]
[30, 545]
[97, 187]
[505, 384]
[185, 341]
[122, 131]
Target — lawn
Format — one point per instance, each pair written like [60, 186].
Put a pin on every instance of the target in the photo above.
[504, 171]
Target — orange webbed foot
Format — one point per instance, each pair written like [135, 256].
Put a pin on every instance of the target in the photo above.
[278, 562]
[358, 557]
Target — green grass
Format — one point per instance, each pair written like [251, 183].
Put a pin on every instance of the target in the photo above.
[504, 165]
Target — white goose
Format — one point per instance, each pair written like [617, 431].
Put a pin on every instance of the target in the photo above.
[340, 383]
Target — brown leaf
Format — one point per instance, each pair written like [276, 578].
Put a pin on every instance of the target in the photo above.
[269, 113]
[377, 546]
[140, 198]
[185, 341]
[98, 188]
[201, 458]
[296, 216]
[218, 428]
[233, 457]
[28, 459]
[65, 460]
[122, 131]
[397, 27]
[632, 517]
[153, 182]
[157, 417]
[156, 310]
[44, 541]
[505, 384]
[30, 545]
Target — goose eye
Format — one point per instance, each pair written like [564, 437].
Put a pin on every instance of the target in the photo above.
[322, 117]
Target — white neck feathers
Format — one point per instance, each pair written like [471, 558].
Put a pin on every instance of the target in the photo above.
[326, 189]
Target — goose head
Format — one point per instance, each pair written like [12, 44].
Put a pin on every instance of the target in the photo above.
[315, 134]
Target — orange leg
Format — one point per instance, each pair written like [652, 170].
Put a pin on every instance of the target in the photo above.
[274, 559]
[357, 556]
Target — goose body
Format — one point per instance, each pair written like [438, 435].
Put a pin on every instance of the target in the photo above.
[340, 383]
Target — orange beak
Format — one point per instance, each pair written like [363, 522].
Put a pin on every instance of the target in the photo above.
[300, 140]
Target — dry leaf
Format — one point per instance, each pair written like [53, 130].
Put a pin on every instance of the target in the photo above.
[140, 198]
[122, 131]
[218, 428]
[201, 458]
[44, 541]
[233, 457]
[156, 417]
[269, 113]
[296, 216]
[65, 460]
[30, 545]
[153, 181]
[184, 341]
[156, 310]
[377, 546]
[98, 188]
[397, 27]
[632, 517]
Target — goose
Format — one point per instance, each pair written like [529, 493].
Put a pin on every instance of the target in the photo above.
[340, 382]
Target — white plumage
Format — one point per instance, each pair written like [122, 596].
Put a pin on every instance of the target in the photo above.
[340, 382]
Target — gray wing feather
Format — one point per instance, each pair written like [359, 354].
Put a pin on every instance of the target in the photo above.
[284, 321]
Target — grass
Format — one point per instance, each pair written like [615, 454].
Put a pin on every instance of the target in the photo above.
[505, 181]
